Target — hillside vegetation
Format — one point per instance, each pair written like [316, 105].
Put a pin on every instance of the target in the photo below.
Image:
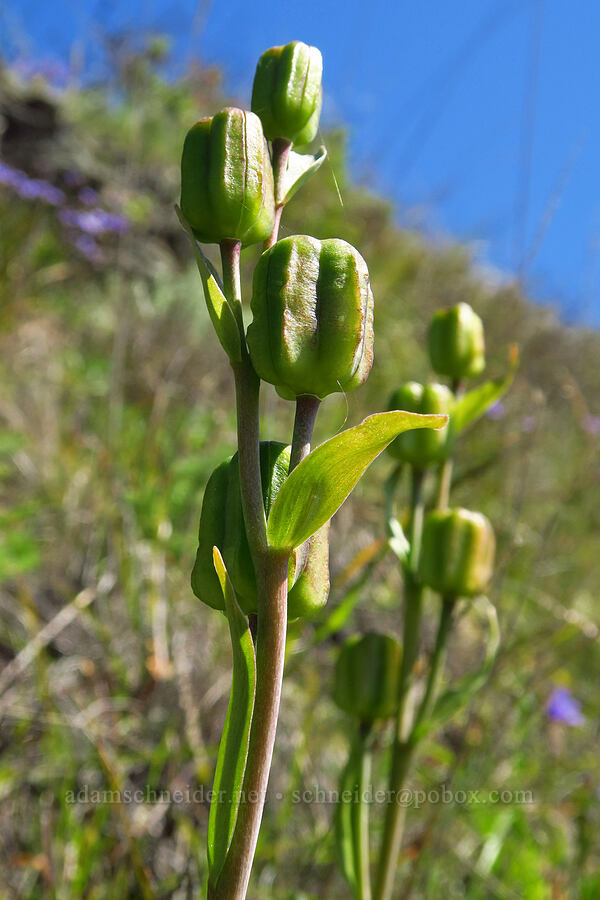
[115, 405]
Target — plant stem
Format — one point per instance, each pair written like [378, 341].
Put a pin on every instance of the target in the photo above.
[281, 152]
[232, 286]
[307, 408]
[447, 467]
[271, 578]
[361, 818]
[417, 507]
[402, 748]
[437, 657]
[270, 653]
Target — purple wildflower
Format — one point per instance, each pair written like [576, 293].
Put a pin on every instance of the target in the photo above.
[88, 247]
[591, 424]
[497, 411]
[88, 196]
[30, 188]
[563, 707]
[94, 221]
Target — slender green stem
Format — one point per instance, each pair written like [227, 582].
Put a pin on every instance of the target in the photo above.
[447, 467]
[281, 152]
[247, 389]
[445, 483]
[232, 286]
[402, 748]
[437, 658]
[389, 490]
[307, 408]
[417, 508]
[361, 818]
[271, 578]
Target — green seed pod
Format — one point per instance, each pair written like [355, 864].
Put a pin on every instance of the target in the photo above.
[222, 525]
[422, 447]
[367, 676]
[287, 92]
[457, 552]
[227, 179]
[456, 342]
[312, 327]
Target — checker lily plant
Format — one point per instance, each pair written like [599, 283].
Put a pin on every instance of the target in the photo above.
[263, 543]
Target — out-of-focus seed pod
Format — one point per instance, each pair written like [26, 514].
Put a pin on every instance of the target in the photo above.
[456, 342]
[457, 552]
[367, 676]
[312, 327]
[227, 179]
[222, 525]
[287, 92]
[422, 447]
[311, 589]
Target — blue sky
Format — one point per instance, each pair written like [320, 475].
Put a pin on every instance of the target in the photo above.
[479, 117]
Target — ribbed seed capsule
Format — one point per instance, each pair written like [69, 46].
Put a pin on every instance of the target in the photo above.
[312, 327]
[222, 525]
[457, 552]
[367, 676]
[456, 342]
[422, 447]
[287, 92]
[227, 179]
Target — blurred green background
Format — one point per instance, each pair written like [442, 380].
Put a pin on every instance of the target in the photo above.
[115, 405]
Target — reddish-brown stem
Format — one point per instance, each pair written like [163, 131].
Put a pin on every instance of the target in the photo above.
[307, 408]
[271, 577]
[270, 656]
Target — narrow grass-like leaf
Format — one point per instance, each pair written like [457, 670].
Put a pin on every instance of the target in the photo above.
[472, 405]
[219, 310]
[344, 819]
[233, 749]
[317, 487]
[301, 167]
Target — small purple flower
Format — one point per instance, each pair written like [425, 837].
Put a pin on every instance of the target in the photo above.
[591, 424]
[94, 221]
[497, 411]
[563, 707]
[88, 196]
[30, 188]
[88, 247]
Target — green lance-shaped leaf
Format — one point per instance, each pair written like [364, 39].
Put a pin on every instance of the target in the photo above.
[472, 405]
[233, 749]
[301, 167]
[317, 487]
[456, 698]
[219, 310]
